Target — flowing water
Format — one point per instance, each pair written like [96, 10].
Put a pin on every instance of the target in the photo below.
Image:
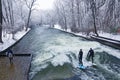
[55, 56]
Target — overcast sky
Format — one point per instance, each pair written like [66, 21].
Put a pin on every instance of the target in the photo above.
[45, 4]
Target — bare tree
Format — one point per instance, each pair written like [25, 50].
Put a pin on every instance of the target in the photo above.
[110, 16]
[89, 14]
[10, 16]
[6, 14]
[64, 16]
[30, 6]
[78, 12]
[1, 22]
[93, 9]
[73, 27]
[61, 12]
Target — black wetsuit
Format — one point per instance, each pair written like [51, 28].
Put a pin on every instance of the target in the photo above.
[91, 55]
[80, 57]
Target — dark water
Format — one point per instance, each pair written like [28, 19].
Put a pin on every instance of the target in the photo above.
[55, 56]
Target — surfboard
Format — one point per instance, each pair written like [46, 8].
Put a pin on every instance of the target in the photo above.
[94, 65]
[82, 67]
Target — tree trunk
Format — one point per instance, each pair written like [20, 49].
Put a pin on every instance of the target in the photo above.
[1, 22]
[93, 7]
[30, 11]
[28, 21]
[65, 23]
[73, 17]
[95, 29]
[78, 12]
[65, 18]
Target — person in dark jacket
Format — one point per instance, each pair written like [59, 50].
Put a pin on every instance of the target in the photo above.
[9, 53]
[80, 56]
[91, 54]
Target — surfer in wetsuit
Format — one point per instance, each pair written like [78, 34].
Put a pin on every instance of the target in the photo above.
[91, 54]
[80, 56]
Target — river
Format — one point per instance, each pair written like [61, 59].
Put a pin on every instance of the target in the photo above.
[55, 56]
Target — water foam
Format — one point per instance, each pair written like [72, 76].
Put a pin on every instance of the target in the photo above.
[57, 49]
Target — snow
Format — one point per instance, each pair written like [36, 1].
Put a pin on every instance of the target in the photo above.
[8, 41]
[57, 26]
[103, 34]
[68, 30]
[111, 36]
[107, 40]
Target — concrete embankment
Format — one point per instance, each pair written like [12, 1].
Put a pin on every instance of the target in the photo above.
[107, 41]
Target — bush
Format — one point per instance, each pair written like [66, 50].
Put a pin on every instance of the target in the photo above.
[113, 30]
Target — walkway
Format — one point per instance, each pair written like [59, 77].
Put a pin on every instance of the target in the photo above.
[17, 71]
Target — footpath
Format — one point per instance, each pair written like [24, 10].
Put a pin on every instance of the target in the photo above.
[19, 70]
[16, 71]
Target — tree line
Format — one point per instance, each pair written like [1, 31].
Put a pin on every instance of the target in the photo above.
[77, 15]
[15, 15]
[88, 15]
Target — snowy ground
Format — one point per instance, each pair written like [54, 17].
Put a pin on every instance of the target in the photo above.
[68, 30]
[8, 41]
[112, 36]
[103, 34]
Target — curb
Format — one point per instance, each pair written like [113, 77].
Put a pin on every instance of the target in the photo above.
[25, 55]
[31, 56]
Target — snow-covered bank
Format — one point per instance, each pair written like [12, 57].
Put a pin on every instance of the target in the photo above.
[8, 41]
[103, 34]
[111, 36]
[68, 30]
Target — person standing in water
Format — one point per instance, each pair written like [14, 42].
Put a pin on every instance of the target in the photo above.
[80, 56]
[9, 53]
[91, 55]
